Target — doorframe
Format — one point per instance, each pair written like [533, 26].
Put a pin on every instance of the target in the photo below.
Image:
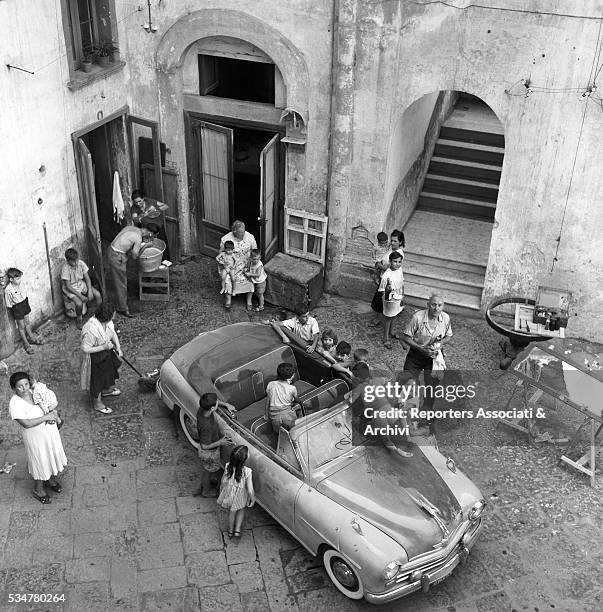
[229, 122]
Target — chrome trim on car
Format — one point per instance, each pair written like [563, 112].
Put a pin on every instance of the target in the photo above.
[433, 570]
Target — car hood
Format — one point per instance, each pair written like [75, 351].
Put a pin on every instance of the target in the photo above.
[392, 493]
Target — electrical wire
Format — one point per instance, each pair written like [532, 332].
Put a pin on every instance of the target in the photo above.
[509, 10]
[569, 186]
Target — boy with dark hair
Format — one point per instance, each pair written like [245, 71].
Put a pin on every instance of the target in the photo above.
[281, 396]
[226, 269]
[302, 325]
[17, 302]
[210, 441]
[360, 356]
[392, 286]
[343, 351]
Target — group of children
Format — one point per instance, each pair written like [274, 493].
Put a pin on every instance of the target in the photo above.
[253, 271]
[388, 256]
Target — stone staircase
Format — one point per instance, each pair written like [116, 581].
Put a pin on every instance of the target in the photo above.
[448, 235]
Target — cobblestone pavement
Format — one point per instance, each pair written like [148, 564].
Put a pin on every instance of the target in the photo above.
[127, 533]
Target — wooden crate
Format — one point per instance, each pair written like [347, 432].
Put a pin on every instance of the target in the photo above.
[292, 281]
[154, 286]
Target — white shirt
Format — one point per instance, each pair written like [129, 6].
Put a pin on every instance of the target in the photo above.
[305, 332]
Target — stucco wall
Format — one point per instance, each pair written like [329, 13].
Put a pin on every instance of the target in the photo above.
[295, 35]
[39, 114]
[484, 52]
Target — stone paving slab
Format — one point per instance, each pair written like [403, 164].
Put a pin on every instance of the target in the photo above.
[127, 534]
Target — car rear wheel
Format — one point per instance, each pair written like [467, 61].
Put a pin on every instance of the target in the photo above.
[342, 574]
[189, 427]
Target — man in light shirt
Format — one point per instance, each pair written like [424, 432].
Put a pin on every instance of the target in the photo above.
[302, 325]
[131, 240]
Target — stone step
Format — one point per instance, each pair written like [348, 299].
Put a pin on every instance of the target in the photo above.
[461, 168]
[446, 204]
[469, 151]
[448, 237]
[440, 262]
[473, 136]
[438, 183]
[418, 293]
[419, 270]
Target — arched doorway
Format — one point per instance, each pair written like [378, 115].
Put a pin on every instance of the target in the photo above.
[210, 65]
[448, 216]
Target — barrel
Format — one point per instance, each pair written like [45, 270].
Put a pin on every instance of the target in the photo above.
[150, 259]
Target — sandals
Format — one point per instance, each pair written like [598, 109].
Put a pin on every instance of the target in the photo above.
[54, 486]
[29, 350]
[104, 409]
[110, 393]
[258, 309]
[230, 534]
[236, 534]
[43, 499]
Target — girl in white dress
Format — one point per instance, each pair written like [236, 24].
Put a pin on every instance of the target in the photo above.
[236, 489]
[45, 455]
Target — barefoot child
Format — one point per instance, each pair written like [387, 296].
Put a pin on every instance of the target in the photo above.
[18, 304]
[236, 489]
[255, 273]
[392, 286]
[226, 265]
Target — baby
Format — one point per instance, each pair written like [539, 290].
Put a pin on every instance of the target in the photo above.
[226, 264]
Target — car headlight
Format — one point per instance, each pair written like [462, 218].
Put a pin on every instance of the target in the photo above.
[391, 569]
[476, 510]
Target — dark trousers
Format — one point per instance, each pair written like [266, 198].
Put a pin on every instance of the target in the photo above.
[415, 364]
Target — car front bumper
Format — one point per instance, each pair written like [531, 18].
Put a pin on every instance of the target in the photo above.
[430, 577]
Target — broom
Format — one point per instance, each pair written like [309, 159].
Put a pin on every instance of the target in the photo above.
[146, 382]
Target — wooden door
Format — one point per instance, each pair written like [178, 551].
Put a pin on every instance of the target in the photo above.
[170, 194]
[85, 174]
[269, 217]
[142, 128]
[212, 182]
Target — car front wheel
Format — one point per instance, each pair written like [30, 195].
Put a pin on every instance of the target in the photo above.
[189, 427]
[342, 574]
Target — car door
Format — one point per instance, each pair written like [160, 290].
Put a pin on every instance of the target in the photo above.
[277, 476]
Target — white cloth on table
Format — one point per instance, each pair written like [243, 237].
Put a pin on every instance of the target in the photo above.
[45, 453]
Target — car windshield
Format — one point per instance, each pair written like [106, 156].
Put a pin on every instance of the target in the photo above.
[329, 439]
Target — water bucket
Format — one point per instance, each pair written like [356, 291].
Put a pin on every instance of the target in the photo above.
[150, 259]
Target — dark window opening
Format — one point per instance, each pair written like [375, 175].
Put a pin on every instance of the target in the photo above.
[237, 79]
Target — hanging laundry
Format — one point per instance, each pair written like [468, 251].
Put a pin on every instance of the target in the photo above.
[118, 201]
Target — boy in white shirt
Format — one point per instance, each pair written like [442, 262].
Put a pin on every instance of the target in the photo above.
[302, 325]
[281, 397]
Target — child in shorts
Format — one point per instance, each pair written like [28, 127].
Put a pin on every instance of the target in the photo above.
[17, 302]
[255, 273]
[226, 265]
[281, 396]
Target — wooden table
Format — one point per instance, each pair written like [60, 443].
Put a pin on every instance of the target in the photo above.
[570, 371]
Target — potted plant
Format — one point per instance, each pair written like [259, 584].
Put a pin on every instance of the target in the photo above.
[86, 63]
[104, 52]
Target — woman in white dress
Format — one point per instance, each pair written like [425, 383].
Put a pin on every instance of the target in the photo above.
[45, 455]
[243, 243]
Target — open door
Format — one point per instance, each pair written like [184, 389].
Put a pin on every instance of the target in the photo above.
[268, 199]
[85, 173]
[212, 182]
[142, 129]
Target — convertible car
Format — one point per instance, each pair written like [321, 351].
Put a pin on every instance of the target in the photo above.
[384, 526]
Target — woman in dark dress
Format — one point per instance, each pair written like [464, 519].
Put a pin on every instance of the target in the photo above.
[101, 348]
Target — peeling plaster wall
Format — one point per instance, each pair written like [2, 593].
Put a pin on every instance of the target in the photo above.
[302, 27]
[38, 115]
[483, 52]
